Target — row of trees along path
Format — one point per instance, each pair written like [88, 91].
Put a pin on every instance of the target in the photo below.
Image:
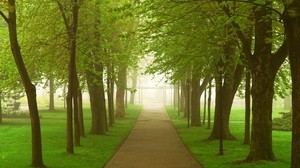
[174, 32]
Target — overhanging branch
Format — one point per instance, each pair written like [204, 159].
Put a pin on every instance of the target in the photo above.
[4, 16]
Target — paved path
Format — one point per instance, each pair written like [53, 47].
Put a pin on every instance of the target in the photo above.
[153, 143]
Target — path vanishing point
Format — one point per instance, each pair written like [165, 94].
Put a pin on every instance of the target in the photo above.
[153, 143]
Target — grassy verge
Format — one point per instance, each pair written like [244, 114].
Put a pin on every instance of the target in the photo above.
[95, 151]
[206, 152]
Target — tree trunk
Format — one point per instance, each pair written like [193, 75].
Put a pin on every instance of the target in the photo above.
[188, 102]
[70, 142]
[37, 156]
[110, 95]
[183, 96]
[51, 94]
[264, 66]
[71, 25]
[204, 107]
[133, 87]
[232, 79]
[80, 114]
[195, 102]
[120, 95]
[1, 121]
[76, 113]
[176, 95]
[292, 31]
[97, 101]
[196, 92]
[247, 108]
[209, 105]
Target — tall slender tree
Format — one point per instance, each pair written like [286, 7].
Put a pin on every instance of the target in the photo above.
[71, 25]
[30, 89]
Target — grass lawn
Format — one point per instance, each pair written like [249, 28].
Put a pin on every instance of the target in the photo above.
[95, 150]
[206, 151]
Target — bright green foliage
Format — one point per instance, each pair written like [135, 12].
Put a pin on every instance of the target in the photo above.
[182, 38]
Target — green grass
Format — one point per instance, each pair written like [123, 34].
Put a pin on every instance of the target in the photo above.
[206, 151]
[95, 150]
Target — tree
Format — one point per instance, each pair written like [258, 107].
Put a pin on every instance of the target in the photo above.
[263, 66]
[37, 156]
[71, 25]
[134, 78]
[292, 31]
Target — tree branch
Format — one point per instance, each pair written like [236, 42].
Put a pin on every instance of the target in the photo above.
[280, 55]
[63, 13]
[4, 17]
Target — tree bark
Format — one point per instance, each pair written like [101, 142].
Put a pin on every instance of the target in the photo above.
[247, 108]
[133, 87]
[80, 114]
[209, 105]
[232, 79]
[264, 66]
[292, 31]
[51, 94]
[71, 25]
[76, 113]
[1, 121]
[110, 94]
[97, 101]
[183, 96]
[195, 102]
[176, 95]
[36, 138]
[120, 95]
[196, 92]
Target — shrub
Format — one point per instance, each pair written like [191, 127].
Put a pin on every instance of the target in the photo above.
[284, 123]
[8, 113]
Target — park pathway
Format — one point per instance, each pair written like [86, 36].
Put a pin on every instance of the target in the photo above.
[153, 143]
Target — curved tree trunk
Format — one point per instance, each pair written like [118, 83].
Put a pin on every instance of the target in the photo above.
[37, 156]
[292, 30]
[232, 79]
